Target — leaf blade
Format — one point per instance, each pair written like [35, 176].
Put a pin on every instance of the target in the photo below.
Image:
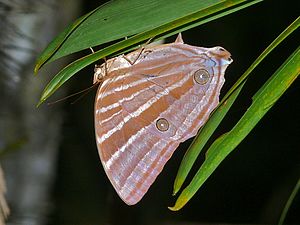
[105, 23]
[79, 64]
[217, 116]
[219, 150]
[50, 50]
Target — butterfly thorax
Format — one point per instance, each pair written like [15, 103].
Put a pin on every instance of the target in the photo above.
[113, 64]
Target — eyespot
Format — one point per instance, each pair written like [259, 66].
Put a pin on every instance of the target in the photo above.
[162, 124]
[201, 76]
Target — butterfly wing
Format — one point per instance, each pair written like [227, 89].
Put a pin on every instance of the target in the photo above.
[129, 104]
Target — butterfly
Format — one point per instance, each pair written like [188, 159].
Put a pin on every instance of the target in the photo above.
[150, 101]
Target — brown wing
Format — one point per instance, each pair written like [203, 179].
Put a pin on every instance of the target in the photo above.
[130, 103]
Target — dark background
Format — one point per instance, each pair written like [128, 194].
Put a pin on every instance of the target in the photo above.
[251, 185]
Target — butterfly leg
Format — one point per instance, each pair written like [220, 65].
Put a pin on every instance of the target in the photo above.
[98, 66]
[92, 50]
[132, 62]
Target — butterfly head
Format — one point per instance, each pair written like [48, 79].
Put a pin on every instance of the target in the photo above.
[99, 73]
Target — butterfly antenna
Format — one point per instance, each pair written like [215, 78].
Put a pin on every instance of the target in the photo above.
[87, 90]
[84, 91]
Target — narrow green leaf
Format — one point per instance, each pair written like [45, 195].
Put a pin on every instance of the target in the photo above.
[199, 142]
[267, 96]
[289, 203]
[216, 118]
[117, 19]
[289, 30]
[195, 18]
[66, 73]
[208, 16]
[57, 42]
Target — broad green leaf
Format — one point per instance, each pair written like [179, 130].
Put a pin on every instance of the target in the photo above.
[265, 98]
[117, 19]
[199, 17]
[216, 118]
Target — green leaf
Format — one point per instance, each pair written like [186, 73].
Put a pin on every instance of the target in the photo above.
[200, 141]
[201, 14]
[117, 19]
[289, 202]
[56, 44]
[264, 100]
[216, 118]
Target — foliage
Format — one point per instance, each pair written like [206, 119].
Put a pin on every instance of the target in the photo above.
[105, 20]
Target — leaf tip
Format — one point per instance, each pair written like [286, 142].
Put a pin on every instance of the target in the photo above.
[36, 68]
[173, 208]
[40, 102]
[177, 185]
[175, 190]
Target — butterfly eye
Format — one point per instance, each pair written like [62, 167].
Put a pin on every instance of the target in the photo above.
[201, 76]
[162, 124]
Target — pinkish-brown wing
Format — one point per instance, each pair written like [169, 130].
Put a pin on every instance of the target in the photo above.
[130, 103]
